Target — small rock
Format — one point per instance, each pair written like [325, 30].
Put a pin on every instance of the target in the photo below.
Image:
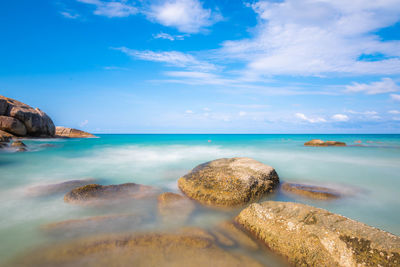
[104, 194]
[58, 188]
[229, 182]
[18, 144]
[310, 236]
[174, 207]
[318, 142]
[310, 191]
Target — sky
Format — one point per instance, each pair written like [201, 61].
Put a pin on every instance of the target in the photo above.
[215, 66]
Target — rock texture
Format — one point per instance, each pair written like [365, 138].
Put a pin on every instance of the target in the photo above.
[188, 248]
[310, 191]
[104, 194]
[12, 125]
[229, 182]
[58, 188]
[64, 132]
[174, 207]
[35, 121]
[19, 145]
[309, 236]
[318, 142]
[5, 137]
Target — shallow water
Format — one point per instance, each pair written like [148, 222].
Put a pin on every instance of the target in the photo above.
[368, 175]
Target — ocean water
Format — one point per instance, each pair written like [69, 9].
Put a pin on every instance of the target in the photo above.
[367, 173]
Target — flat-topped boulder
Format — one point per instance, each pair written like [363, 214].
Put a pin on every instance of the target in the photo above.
[318, 142]
[310, 236]
[174, 207]
[187, 248]
[310, 191]
[23, 120]
[57, 188]
[64, 132]
[104, 194]
[229, 182]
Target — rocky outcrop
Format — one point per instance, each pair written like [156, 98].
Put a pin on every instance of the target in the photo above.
[174, 208]
[35, 121]
[309, 236]
[105, 194]
[5, 137]
[187, 248]
[64, 132]
[318, 142]
[229, 182]
[19, 145]
[58, 188]
[310, 191]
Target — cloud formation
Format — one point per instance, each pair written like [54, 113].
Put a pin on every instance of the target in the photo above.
[112, 9]
[303, 117]
[386, 85]
[340, 117]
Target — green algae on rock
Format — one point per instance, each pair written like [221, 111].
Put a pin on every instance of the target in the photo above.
[229, 182]
[310, 191]
[310, 236]
[104, 194]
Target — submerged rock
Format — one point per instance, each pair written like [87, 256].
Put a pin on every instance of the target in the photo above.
[12, 125]
[191, 247]
[174, 207]
[318, 142]
[229, 182]
[310, 191]
[35, 121]
[236, 235]
[310, 236]
[64, 132]
[58, 188]
[103, 194]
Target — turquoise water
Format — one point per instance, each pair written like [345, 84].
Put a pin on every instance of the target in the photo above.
[368, 175]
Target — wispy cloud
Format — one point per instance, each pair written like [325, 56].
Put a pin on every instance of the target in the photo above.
[166, 36]
[394, 112]
[111, 9]
[386, 85]
[395, 97]
[70, 14]
[187, 16]
[303, 117]
[340, 117]
[172, 58]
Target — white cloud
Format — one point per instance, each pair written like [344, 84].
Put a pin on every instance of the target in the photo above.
[173, 58]
[394, 112]
[113, 8]
[163, 35]
[242, 113]
[309, 37]
[84, 123]
[310, 120]
[70, 14]
[186, 15]
[340, 117]
[367, 113]
[386, 85]
[189, 111]
[395, 97]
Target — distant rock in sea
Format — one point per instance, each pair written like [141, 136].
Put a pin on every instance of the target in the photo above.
[310, 236]
[229, 182]
[318, 142]
[310, 191]
[64, 132]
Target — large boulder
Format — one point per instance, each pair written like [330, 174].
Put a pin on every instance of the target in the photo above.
[192, 247]
[310, 236]
[105, 194]
[36, 122]
[318, 142]
[64, 132]
[229, 182]
[12, 125]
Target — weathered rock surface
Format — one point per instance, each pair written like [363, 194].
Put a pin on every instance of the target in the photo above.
[36, 122]
[309, 236]
[174, 207]
[12, 125]
[104, 194]
[5, 137]
[229, 182]
[64, 132]
[310, 191]
[19, 145]
[192, 247]
[58, 188]
[318, 142]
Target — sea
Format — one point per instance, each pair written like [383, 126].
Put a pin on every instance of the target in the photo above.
[366, 172]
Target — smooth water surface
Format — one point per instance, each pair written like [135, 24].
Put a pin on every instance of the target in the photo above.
[369, 175]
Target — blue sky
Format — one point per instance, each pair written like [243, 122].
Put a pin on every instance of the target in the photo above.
[221, 66]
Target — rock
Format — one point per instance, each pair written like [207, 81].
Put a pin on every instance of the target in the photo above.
[104, 194]
[310, 191]
[63, 132]
[18, 144]
[5, 137]
[229, 182]
[58, 188]
[318, 142]
[3, 145]
[174, 207]
[310, 236]
[185, 248]
[36, 122]
[240, 238]
[12, 125]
